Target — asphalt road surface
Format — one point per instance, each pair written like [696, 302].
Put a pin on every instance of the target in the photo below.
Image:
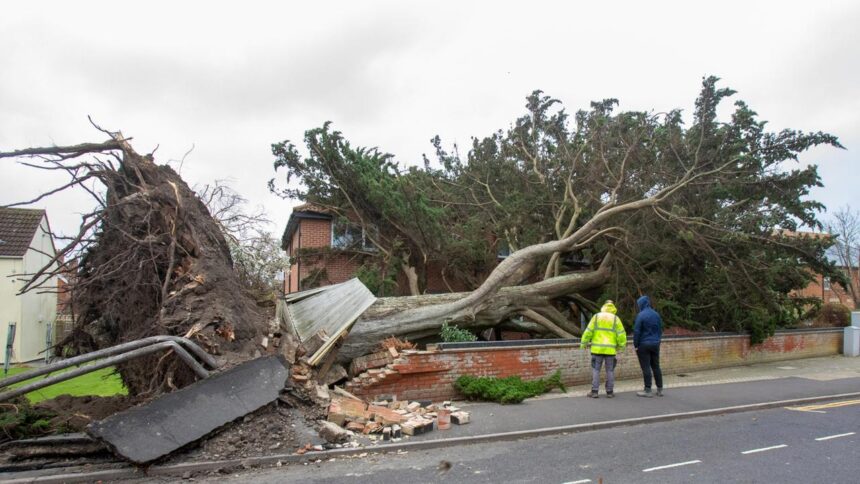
[816, 443]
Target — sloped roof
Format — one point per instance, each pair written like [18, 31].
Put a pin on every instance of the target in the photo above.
[17, 228]
[303, 211]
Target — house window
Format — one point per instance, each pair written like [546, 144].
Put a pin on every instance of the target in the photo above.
[504, 249]
[346, 235]
[827, 284]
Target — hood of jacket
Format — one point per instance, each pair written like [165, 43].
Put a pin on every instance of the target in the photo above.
[608, 307]
[643, 302]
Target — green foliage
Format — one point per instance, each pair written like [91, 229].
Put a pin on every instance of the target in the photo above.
[832, 315]
[20, 420]
[717, 254]
[453, 334]
[506, 390]
[371, 276]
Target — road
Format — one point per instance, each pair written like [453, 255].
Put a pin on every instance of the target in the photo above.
[816, 443]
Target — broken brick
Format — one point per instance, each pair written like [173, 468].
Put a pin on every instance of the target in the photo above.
[384, 415]
[460, 418]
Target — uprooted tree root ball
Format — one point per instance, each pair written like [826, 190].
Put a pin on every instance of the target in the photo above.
[149, 260]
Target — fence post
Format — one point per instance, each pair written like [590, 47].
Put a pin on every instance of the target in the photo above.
[10, 341]
[49, 342]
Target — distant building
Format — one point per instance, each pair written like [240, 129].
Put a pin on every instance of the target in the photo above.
[821, 287]
[26, 246]
[828, 292]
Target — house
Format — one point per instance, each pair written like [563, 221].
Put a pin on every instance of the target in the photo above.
[822, 288]
[325, 249]
[26, 246]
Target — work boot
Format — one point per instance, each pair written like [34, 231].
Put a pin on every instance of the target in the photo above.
[659, 392]
[647, 393]
[610, 394]
[593, 395]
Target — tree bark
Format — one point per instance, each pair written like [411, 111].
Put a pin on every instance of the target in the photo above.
[415, 317]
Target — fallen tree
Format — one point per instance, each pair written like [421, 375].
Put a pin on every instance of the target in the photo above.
[618, 204]
[148, 260]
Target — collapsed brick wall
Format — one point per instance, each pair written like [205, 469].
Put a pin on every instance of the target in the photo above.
[429, 375]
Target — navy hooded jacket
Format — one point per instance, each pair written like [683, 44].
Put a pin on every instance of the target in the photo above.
[648, 326]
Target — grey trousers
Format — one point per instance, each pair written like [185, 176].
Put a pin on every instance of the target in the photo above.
[596, 362]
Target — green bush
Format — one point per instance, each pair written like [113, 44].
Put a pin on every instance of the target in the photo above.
[20, 420]
[453, 334]
[506, 390]
[832, 314]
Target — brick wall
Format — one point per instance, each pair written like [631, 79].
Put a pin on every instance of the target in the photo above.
[313, 234]
[430, 374]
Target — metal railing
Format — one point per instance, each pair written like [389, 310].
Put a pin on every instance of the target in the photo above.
[183, 348]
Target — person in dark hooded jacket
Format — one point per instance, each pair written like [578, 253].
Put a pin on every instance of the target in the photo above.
[647, 333]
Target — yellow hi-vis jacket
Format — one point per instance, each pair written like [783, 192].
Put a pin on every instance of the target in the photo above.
[605, 332]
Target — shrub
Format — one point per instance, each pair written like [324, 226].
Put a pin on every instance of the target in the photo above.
[832, 314]
[20, 420]
[453, 334]
[506, 390]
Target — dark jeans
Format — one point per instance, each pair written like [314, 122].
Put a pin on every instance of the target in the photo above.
[649, 360]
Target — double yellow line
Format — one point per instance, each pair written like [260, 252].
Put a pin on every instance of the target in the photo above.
[823, 406]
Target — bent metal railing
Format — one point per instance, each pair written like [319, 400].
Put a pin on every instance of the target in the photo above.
[113, 355]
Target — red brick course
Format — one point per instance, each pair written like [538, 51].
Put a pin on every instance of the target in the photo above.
[429, 375]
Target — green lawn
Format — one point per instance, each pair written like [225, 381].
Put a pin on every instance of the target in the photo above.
[103, 383]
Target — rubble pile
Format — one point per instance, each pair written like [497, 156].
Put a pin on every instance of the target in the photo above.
[391, 419]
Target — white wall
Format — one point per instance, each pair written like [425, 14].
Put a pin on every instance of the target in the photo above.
[34, 310]
[38, 310]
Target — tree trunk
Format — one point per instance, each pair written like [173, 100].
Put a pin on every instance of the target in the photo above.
[414, 317]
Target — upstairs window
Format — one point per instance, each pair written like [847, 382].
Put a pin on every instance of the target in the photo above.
[346, 235]
[827, 284]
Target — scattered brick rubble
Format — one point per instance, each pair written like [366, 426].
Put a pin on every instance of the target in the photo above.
[385, 419]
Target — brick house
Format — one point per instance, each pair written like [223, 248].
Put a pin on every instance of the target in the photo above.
[828, 292]
[821, 287]
[309, 238]
[325, 249]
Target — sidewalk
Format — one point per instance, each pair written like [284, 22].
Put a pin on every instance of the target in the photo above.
[706, 390]
[691, 395]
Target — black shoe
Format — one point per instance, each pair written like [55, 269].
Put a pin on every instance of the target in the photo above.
[593, 395]
[610, 394]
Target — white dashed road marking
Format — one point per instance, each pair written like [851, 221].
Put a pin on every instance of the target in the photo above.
[753, 451]
[679, 464]
[835, 436]
[581, 481]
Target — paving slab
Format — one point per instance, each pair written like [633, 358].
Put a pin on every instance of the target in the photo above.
[147, 432]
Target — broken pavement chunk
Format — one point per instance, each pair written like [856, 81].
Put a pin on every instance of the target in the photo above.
[147, 432]
[333, 433]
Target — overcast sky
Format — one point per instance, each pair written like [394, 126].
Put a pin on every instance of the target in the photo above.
[232, 81]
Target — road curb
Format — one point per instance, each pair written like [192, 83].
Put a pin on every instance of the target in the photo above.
[179, 469]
